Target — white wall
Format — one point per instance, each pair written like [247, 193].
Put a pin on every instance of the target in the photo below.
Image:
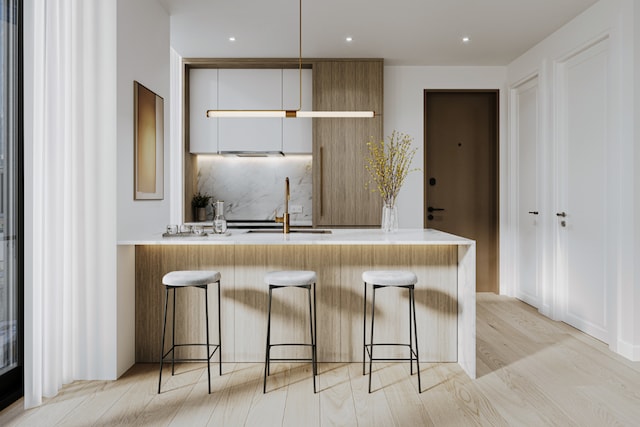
[404, 111]
[618, 21]
[634, 72]
[143, 55]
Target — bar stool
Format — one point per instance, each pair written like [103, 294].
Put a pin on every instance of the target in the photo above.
[182, 279]
[385, 279]
[287, 279]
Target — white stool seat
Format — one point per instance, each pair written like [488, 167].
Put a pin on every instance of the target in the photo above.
[190, 278]
[290, 278]
[390, 277]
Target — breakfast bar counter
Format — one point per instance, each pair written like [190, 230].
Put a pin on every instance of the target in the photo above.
[445, 292]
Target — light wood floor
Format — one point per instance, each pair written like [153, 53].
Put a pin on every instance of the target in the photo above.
[531, 372]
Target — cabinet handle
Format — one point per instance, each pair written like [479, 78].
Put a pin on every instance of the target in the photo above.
[533, 212]
[561, 214]
[321, 182]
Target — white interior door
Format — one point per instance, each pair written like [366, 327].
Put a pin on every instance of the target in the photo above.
[582, 232]
[527, 254]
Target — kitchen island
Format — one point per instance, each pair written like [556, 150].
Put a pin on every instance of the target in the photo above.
[445, 292]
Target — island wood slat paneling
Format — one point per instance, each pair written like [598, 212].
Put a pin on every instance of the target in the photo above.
[339, 299]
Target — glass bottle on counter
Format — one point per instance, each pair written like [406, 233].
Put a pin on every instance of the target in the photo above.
[219, 222]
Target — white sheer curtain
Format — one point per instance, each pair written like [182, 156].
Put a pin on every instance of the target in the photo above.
[70, 129]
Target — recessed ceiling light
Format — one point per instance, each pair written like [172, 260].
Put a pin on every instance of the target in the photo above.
[466, 39]
[232, 39]
[349, 39]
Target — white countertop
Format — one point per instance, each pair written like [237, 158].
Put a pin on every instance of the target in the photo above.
[340, 236]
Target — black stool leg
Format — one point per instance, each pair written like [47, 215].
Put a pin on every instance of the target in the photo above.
[164, 329]
[364, 330]
[206, 316]
[315, 337]
[266, 357]
[219, 330]
[373, 316]
[410, 332]
[415, 334]
[173, 335]
[313, 341]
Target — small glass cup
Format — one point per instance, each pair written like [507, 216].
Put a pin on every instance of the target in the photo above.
[172, 229]
[184, 228]
[198, 230]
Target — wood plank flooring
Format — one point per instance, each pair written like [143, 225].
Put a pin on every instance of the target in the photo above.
[532, 371]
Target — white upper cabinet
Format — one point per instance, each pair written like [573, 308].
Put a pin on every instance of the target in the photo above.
[203, 96]
[297, 133]
[250, 89]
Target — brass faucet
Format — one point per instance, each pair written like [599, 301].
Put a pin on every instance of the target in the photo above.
[284, 219]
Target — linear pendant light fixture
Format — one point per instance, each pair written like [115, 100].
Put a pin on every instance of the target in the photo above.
[292, 113]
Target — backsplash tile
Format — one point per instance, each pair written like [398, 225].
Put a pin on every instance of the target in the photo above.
[253, 187]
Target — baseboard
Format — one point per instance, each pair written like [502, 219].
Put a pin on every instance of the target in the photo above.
[629, 351]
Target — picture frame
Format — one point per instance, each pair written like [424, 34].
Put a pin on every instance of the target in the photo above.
[148, 142]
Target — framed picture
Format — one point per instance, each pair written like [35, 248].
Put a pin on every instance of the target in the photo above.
[148, 141]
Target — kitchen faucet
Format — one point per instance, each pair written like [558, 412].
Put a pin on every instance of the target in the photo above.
[284, 219]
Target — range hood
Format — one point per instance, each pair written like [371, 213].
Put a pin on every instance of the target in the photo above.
[252, 153]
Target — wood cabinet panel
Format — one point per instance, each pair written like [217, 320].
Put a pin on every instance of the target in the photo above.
[339, 294]
[152, 263]
[340, 194]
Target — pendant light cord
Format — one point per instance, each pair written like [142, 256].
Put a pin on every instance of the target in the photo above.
[300, 56]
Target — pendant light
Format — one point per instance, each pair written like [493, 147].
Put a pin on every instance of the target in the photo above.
[292, 113]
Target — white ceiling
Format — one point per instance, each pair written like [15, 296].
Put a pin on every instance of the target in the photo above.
[403, 32]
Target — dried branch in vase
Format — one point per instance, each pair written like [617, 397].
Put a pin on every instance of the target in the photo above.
[389, 164]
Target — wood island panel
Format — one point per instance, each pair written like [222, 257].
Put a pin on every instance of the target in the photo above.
[153, 262]
[339, 298]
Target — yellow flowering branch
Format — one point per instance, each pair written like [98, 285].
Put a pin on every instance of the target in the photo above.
[388, 164]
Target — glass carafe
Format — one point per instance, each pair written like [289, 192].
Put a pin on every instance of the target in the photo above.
[219, 223]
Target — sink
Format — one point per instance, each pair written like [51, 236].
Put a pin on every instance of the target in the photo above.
[294, 230]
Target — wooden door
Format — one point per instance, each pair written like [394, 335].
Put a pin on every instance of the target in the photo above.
[461, 176]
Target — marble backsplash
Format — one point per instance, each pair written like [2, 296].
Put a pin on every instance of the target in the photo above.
[252, 188]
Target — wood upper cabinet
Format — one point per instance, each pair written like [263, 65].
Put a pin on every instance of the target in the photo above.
[340, 195]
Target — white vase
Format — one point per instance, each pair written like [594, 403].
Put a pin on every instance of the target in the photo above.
[389, 218]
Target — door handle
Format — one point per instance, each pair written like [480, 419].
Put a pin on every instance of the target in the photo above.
[432, 209]
[562, 214]
[533, 212]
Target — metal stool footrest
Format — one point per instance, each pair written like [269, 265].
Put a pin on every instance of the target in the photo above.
[413, 356]
[216, 347]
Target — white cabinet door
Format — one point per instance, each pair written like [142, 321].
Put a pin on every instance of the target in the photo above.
[250, 89]
[528, 263]
[203, 96]
[297, 133]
